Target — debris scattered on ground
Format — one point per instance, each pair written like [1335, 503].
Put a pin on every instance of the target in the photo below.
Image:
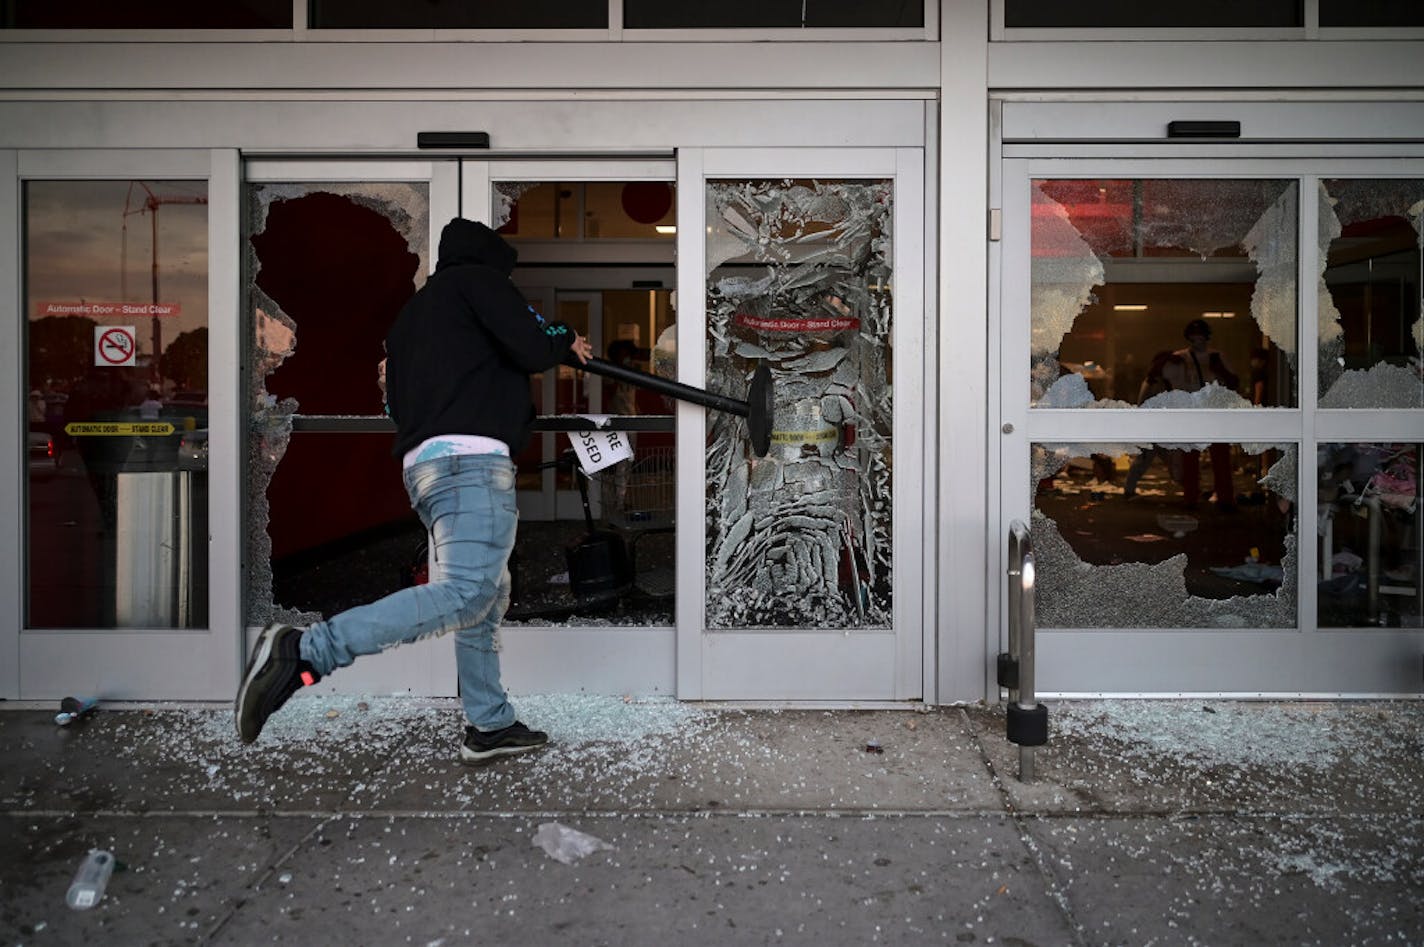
[565, 844]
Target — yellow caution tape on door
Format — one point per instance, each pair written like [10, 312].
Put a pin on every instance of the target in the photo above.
[803, 437]
[117, 428]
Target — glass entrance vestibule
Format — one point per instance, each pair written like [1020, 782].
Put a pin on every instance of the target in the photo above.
[1211, 400]
[777, 563]
[806, 260]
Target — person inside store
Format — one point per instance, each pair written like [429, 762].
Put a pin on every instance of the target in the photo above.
[1193, 368]
[622, 397]
[1152, 385]
[458, 361]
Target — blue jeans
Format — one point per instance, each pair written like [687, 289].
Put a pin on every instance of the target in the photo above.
[467, 504]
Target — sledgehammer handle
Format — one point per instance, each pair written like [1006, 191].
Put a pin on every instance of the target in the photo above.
[662, 386]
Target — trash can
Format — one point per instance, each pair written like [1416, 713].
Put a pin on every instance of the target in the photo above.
[153, 549]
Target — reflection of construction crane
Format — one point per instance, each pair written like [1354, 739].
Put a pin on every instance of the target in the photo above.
[150, 204]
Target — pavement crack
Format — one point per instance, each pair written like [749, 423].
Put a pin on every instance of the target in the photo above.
[277, 863]
[1051, 886]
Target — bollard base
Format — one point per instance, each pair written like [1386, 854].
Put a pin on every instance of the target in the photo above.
[1028, 726]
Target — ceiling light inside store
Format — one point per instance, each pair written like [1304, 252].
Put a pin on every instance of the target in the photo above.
[1130, 307]
[666, 228]
[1218, 315]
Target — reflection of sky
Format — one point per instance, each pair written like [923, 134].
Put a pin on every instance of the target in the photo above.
[76, 246]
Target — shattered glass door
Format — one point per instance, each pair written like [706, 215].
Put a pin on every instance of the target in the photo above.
[1174, 297]
[799, 278]
[329, 266]
[1150, 558]
[1370, 516]
[1124, 271]
[1371, 326]
[597, 255]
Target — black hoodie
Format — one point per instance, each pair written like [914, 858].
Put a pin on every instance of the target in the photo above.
[459, 356]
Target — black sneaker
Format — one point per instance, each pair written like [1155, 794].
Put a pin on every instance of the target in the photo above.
[480, 748]
[275, 673]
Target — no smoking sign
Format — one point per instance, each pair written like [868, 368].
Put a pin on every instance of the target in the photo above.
[114, 345]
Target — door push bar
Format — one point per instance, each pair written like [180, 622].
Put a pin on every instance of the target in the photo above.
[1027, 721]
[759, 409]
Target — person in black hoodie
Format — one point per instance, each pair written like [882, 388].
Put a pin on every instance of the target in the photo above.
[458, 361]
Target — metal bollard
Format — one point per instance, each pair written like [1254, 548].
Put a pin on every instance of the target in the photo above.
[1027, 721]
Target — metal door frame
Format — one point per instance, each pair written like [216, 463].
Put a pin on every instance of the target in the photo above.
[127, 663]
[1300, 661]
[423, 668]
[803, 665]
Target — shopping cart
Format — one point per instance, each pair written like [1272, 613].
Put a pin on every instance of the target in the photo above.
[638, 500]
[639, 495]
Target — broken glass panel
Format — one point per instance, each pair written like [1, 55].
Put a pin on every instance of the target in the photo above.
[1370, 522]
[798, 278]
[1165, 535]
[585, 210]
[567, 232]
[329, 267]
[1371, 326]
[1163, 293]
[557, 575]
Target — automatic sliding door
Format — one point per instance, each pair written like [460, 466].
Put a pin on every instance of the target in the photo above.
[334, 251]
[1180, 339]
[809, 263]
[127, 262]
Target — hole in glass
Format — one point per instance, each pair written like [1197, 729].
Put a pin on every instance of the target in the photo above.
[1122, 268]
[1165, 535]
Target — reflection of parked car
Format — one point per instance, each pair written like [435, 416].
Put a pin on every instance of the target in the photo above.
[193, 450]
[187, 410]
[43, 458]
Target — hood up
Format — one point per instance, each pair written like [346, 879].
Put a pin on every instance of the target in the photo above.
[468, 241]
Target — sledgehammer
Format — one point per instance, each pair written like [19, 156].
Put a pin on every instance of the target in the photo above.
[759, 409]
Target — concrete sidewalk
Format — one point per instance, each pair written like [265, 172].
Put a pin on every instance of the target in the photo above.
[349, 822]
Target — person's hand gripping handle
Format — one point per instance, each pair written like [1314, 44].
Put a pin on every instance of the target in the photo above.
[582, 349]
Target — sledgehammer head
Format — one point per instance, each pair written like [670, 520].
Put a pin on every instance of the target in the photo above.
[761, 410]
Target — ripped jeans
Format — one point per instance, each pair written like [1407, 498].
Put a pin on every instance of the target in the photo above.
[467, 504]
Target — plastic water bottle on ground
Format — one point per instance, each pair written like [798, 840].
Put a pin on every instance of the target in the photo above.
[72, 708]
[90, 880]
